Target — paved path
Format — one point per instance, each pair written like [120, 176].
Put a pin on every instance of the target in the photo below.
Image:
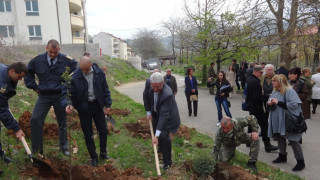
[206, 122]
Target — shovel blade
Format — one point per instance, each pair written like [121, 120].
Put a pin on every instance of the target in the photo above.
[110, 119]
[40, 164]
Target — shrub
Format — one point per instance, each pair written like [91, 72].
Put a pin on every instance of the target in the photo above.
[203, 165]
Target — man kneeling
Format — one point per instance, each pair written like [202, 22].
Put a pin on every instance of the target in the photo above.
[232, 134]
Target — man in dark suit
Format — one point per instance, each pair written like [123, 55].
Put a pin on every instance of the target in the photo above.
[171, 81]
[164, 113]
[91, 97]
[255, 102]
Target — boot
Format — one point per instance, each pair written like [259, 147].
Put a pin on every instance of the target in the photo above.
[280, 159]
[252, 165]
[300, 165]
[6, 159]
[268, 147]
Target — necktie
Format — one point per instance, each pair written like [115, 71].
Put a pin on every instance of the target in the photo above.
[51, 61]
[155, 101]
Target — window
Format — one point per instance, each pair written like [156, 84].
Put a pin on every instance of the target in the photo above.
[5, 5]
[77, 34]
[32, 8]
[6, 31]
[75, 13]
[35, 32]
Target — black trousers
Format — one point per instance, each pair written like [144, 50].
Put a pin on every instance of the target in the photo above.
[237, 82]
[195, 105]
[263, 123]
[164, 141]
[96, 113]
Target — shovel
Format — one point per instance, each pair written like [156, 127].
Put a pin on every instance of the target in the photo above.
[110, 119]
[35, 162]
[155, 150]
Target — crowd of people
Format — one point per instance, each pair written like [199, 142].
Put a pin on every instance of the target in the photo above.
[270, 94]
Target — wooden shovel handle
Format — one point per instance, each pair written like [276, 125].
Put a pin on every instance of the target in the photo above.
[25, 145]
[155, 150]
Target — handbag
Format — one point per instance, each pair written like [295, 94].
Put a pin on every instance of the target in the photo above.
[294, 123]
[193, 97]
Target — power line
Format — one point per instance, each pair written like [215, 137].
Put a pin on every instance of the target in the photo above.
[102, 29]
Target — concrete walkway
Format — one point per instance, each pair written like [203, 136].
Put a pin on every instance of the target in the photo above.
[206, 122]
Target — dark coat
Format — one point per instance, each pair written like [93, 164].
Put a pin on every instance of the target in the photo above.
[50, 80]
[302, 90]
[188, 86]
[8, 90]
[218, 85]
[146, 102]
[167, 116]
[254, 95]
[79, 90]
[283, 70]
[172, 84]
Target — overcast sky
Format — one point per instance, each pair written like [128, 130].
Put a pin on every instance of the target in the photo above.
[123, 18]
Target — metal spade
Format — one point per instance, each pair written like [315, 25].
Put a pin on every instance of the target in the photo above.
[35, 162]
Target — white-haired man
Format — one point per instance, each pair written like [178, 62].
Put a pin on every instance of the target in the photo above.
[266, 84]
[164, 113]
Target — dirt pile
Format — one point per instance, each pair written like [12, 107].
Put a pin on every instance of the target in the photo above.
[50, 130]
[142, 129]
[225, 171]
[139, 129]
[60, 170]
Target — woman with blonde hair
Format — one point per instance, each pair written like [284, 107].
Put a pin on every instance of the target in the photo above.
[282, 99]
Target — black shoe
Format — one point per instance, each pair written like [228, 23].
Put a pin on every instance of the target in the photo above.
[195, 115]
[189, 114]
[313, 111]
[166, 167]
[104, 156]
[252, 165]
[280, 159]
[268, 147]
[94, 162]
[299, 166]
[6, 159]
[65, 152]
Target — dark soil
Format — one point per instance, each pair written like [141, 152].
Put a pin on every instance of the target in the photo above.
[142, 129]
[50, 130]
[60, 170]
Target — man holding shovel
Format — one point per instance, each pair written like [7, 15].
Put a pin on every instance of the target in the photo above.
[164, 114]
[91, 97]
[9, 77]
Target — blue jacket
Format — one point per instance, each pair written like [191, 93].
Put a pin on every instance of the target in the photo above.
[8, 90]
[50, 80]
[188, 85]
[79, 90]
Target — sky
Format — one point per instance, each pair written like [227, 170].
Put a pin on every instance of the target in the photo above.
[123, 18]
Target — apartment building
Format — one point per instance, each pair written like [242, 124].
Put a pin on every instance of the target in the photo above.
[111, 45]
[37, 21]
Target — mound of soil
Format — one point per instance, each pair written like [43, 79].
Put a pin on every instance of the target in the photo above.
[60, 170]
[139, 129]
[118, 112]
[225, 171]
[142, 129]
[50, 130]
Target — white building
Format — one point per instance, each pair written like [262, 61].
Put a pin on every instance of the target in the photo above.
[37, 21]
[111, 45]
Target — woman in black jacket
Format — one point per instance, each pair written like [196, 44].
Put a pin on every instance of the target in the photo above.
[223, 90]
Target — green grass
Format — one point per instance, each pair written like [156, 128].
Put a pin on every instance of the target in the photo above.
[124, 149]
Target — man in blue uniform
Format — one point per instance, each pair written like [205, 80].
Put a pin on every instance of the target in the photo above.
[9, 77]
[90, 96]
[48, 67]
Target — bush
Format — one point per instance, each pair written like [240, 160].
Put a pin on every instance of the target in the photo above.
[203, 165]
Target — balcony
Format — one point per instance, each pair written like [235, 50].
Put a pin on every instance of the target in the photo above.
[78, 40]
[75, 5]
[116, 42]
[76, 22]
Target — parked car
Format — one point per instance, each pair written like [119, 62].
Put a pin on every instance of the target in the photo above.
[152, 65]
